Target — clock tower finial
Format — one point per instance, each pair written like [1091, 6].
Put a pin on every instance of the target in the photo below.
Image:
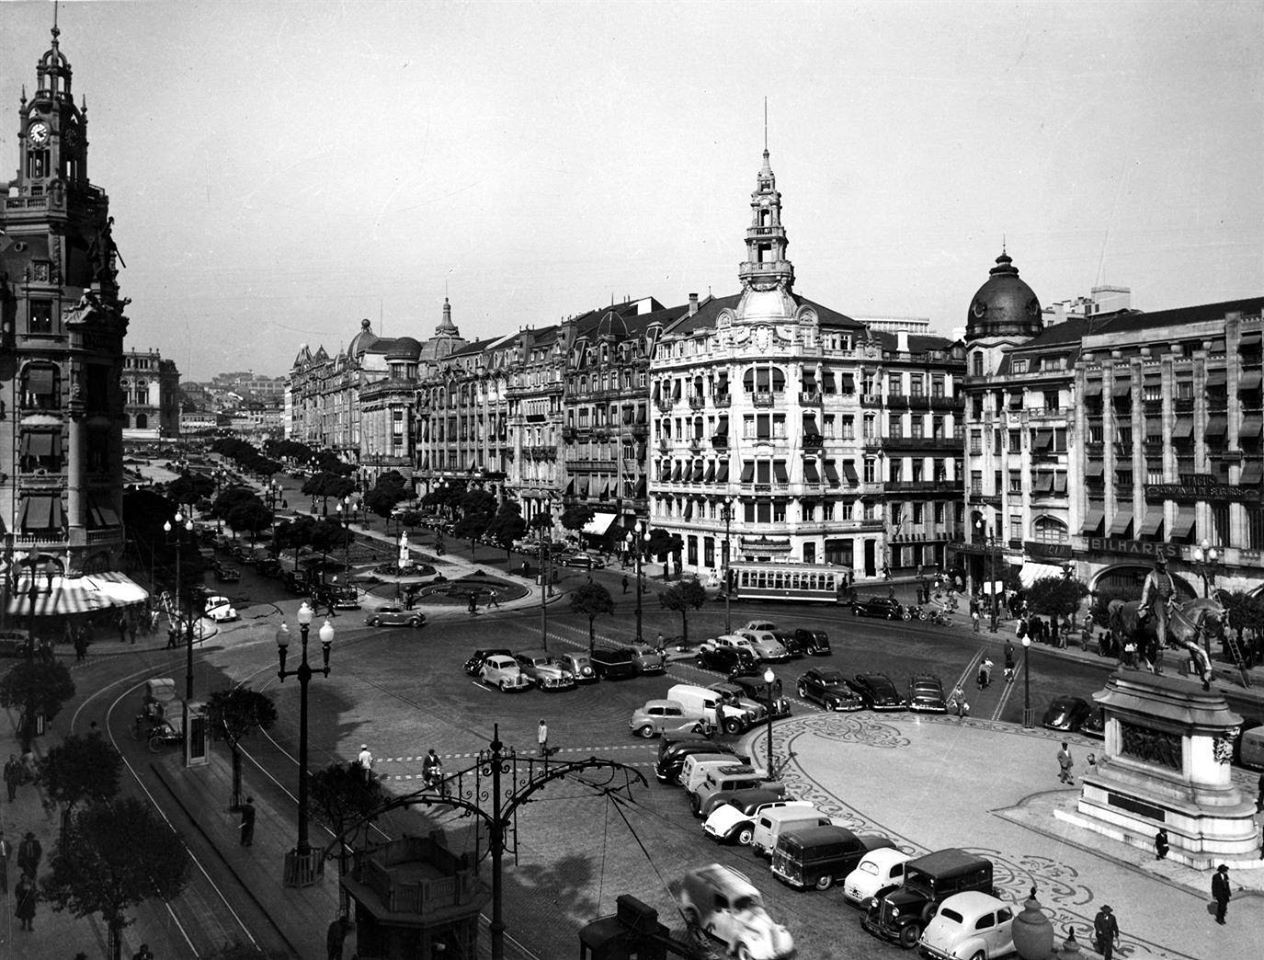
[766, 265]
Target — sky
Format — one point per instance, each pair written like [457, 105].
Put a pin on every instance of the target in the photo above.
[277, 171]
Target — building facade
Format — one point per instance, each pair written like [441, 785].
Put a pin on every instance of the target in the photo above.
[61, 409]
[151, 396]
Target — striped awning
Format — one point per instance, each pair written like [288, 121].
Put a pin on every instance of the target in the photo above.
[65, 596]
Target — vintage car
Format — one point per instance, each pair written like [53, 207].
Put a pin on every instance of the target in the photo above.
[723, 782]
[723, 903]
[884, 607]
[829, 688]
[585, 560]
[878, 872]
[903, 913]
[878, 691]
[735, 695]
[503, 672]
[673, 752]
[969, 926]
[662, 717]
[219, 609]
[393, 615]
[579, 665]
[801, 642]
[765, 646]
[733, 821]
[1066, 714]
[226, 574]
[765, 625]
[726, 659]
[819, 857]
[545, 670]
[926, 694]
[613, 663]
[649, 660]
[753, 686]
[475, 662]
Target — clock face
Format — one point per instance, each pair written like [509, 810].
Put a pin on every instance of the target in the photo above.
[38, 133]
[71, 135]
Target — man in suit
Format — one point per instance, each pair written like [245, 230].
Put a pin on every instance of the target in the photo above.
[1220, 891]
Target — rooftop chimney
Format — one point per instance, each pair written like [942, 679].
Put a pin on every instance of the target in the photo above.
[901, 341]
[693, 304]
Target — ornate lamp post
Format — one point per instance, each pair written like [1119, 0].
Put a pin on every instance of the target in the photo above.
[1027, 682]
[770, 678]
[989, 541]
[28, 711]
[1206, 560]
[301, 864]
[182, 526]
[636, 545]
[728, 560]
[545, 587]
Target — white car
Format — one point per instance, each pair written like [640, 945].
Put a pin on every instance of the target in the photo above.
[764, 645]
[503, 672]
[877, 871]
[763, 626]
[219, 609]
[732, 824]
[969, 926]
[725, 904]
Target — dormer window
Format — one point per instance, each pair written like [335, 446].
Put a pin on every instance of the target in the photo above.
[1020, 366]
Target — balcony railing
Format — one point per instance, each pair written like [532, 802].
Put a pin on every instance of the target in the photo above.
[697, 401]
[921, 443]
[810, 398]
[762, 399]
[870, 400]
[722, 400]
[664, 404]
[813, 441]
[720, 442]
[695, 445]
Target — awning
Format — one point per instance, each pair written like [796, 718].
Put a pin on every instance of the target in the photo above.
[41, 512]
[1043, 483]
[101, 514]
[1184, 523]
[831, 474]
[722, 427]
[570, 489]
[676, 471]
[849, 471]
[748, 472]
[1044, 440]
[640, 488]
[1251, 339]
[1031, 572]
[1252, 426]
[1095, 468]
[1059, 483]
[70, 595]
[722, 472]
[1153, 430]
[698, 467]
[1252, 473]
[809, 425]
[779, 471]
[38, 444]
[809, 472]
[1092, 523]
[1217, 426]
[1153, 520]
[1093, 388]
[39, 380]
[658, 390]
[640, 413]
[1122, 388]
[709, 476]
[598, 525]
[689, 510]
[849, 383]
[1250, 380]
[581, 487]
[1217, 378]
[1183, 429]
[1122, 523]
[676, 390]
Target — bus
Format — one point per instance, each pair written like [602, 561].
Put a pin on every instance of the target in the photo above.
[771, 580]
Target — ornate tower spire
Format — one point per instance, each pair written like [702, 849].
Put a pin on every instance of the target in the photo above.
[446, 327]
[766, 266]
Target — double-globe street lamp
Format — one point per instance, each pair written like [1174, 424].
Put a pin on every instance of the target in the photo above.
[770, 678]
[636, 541]
[727, 513]
[301, 863]
[989, 544]
[1206, 560]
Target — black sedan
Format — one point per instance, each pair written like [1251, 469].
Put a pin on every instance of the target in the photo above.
[884, 607]
[878, 691]
[830, 689]
[814, 642]
[754, 687]
[726, 660]
[475, 663]
[926, 694]
[1066, 714]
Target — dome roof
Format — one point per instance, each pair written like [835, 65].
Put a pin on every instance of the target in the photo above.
[403, 348]
[362, 340]
[1004, 305]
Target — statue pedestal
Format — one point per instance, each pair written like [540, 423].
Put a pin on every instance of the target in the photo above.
[1166, 764]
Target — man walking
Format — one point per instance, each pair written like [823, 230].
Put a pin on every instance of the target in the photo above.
[248, 822]
[1009, 662]
[1220, 891]
[12, 776]
[624, 582]
[29, 854]
[1105, 932]
[365, 760]
[24, 894]
[1065, 762]
[5, 850]
[1160, 844]
[542, 738]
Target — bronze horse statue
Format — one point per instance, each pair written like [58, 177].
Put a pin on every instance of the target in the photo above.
[1187, 625]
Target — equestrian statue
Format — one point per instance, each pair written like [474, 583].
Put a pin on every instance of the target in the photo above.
[1159, 620]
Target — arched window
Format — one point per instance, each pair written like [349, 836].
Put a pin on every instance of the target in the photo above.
[142, 421]
[764, 379]
[1050, 530]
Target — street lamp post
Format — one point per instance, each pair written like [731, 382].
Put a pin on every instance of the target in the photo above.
[989, 541]
[1027, 682]
[182, 526]
[1206, 559]
[636, 545]
[301, 864]
[728, 561]
[770, 678]
[545, 587]
[29, 708]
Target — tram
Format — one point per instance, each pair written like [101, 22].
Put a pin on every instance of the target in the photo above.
[795, 582]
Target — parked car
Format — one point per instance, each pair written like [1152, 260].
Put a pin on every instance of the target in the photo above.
[227, 574]
[584, 560]
[1066, 714]
[902, 914]
[878, 691]
[579, 665]
[296, 582]
[733, 821]
[819, 857]
[754, 687]
[771, 825]
[723, 782]
[660, 717]
[13, 643]
[765, 646]
[612, 663]
[649, 660]
[877, 874]
[765, 625]
[801, 642]
[1095, 725]
[339, 596]
[830, 689]
[969, 926]
[672, 754]
[545, 670]
[271, 569]
[392, 615]
[883, 607]
[219, 609]
[926, 694]
[503, 672]
[725, 659]
[734, 696]
[475, 662]
[707, 701]
[727, 906]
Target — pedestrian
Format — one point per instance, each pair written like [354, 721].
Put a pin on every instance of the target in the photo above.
[974, 616]
[625, 584]
[248, 813]
[171, 634]
[542, 738]
[12, 776]
[1105, 932]
[1220, 891]
[958, 703]
[659, 641]
[131, 630]
[493, 601]
[5, 850]
[144, 953]
[122, 627]
[334, 938]
[81, 647]
[29, 854]
[985, 673]
[1009, 661]
[473, 605]
[1065, 762]
[1160, 845]
[24, 895]
[365, 759]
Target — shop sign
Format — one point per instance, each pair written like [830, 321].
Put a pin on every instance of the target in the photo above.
[1035, 548]
[1198, 486]
[1133, 548]
[765, 543]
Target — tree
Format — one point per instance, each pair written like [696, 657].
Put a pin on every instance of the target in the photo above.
[591, 600]
[189, 488]
[81, 769]
[682, 597]
[508, 525]
[477, 509]
[36, 687]
[239, 712]
[577, 516]
[541, 522]
[253, 517]
[344, 797]
[411, 518]
[1057, 597]
[112, 857]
